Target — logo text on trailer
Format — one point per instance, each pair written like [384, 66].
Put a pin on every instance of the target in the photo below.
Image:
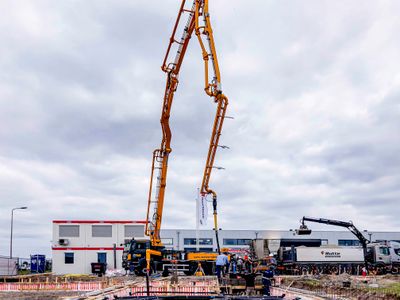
[331, 254]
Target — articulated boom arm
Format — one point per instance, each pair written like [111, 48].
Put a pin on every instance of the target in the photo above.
[348, 225]
[202, 29]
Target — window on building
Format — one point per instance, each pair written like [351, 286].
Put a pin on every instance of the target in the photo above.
[132, 231]
[243, 242]
[102, 257]
[205, 241]
[101, 230]
[230, 242]
[68, 231]
[324, 242]
[192, 241]
[167, 241]
[236, 242]
[68, 257]
[348, 242]
[189, 249]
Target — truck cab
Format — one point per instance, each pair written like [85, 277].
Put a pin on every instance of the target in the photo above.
[394, 249]
[378, 254]
[134, 255]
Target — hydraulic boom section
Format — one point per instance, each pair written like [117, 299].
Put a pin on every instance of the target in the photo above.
[198, 21]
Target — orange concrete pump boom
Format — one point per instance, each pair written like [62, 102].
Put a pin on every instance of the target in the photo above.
[198, 21]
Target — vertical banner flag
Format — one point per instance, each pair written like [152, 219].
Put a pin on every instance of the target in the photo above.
[203, 211]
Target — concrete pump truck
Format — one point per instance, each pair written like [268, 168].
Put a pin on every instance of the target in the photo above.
[146, 256]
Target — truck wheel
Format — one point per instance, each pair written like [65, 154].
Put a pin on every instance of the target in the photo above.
[335, 270]
[140, 270]
[380, 269]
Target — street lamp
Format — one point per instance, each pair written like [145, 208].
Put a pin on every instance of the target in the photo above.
[11, 235]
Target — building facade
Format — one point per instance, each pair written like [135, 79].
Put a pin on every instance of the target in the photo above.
[76, 243]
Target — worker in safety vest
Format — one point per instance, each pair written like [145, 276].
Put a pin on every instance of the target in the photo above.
[267, 277]
[220, 263]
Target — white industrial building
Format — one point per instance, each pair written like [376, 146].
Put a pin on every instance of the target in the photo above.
[78, 243]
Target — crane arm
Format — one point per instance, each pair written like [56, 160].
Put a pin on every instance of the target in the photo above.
[349, 225]
[202, 29]
[327, 222]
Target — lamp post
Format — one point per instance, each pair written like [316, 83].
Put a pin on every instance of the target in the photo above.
[11, 235]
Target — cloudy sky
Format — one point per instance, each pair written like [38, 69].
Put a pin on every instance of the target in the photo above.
[314, 90]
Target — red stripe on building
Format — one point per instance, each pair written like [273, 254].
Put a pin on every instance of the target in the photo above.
[96, 222]
[86, 248]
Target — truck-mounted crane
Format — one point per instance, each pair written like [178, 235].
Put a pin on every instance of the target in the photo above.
[303, 230]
